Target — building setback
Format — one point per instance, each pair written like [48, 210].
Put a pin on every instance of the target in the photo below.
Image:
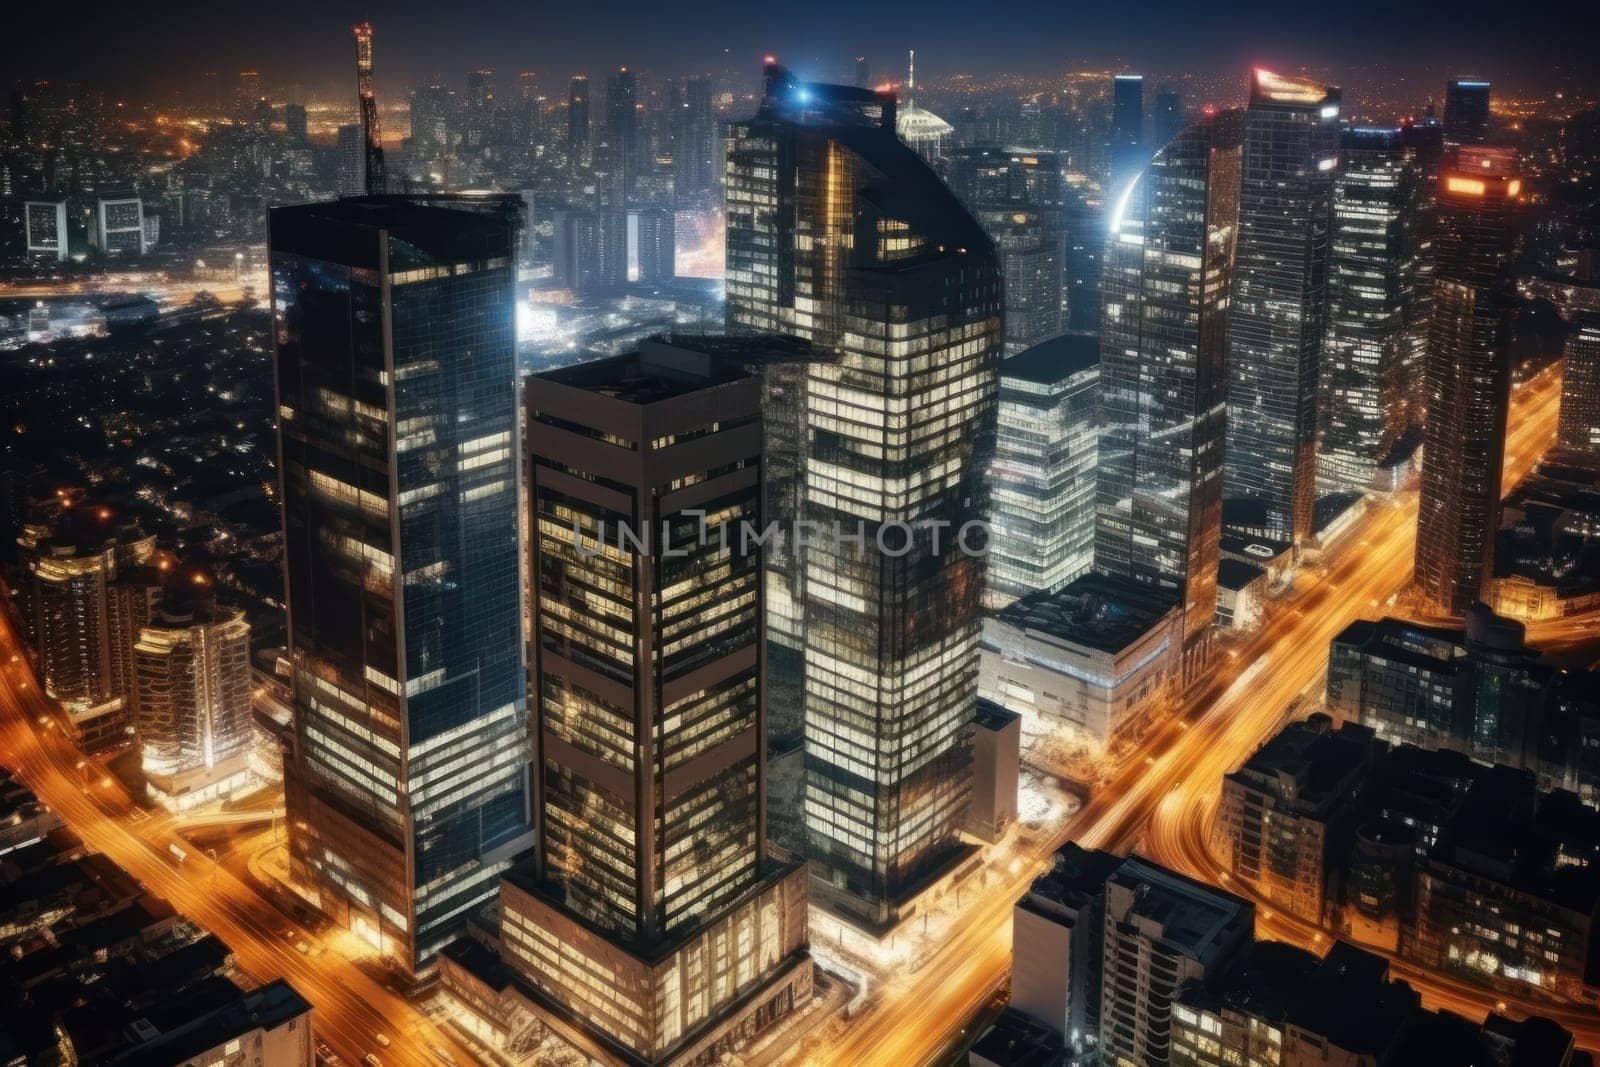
[840, 234]
[397, 413]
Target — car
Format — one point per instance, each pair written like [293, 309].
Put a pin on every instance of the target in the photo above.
[303, 948]
[371, 1059]
[381, 1038]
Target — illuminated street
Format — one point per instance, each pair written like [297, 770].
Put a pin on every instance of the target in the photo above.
[351, 1008]
[918, 1016]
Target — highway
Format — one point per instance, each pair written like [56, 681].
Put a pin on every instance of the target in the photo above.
[918, 1018]
[350, 1007]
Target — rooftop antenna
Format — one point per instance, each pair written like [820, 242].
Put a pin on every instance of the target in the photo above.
[377, 182]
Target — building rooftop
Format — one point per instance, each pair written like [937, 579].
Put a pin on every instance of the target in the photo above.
[657, 371]
[1350, 1000]
[1096, 610]
[992, 716]
[442, 228]
[1016, 1040]
[268, 1007]
[1236, 575]
[1264, 980]
[1195, 918]
[1055, 360]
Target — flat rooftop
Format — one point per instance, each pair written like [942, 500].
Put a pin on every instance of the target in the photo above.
[1095, 610]
[1054, 360]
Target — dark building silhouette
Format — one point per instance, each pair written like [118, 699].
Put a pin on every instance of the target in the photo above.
[1469, 379]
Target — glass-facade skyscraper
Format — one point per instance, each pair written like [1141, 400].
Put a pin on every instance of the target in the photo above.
[1042, 491]
[1469, 379]
[398, 428]
[1374, 336]
[1279, 313]
[839, 233]
[1015, 194]
[1466, 111]
[653, 926]
[1163, 346]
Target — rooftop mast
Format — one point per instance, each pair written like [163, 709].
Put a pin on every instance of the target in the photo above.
[377, 182]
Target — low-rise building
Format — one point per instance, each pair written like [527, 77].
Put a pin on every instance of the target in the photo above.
[1287, 815]
[996, 768]
[1095, 660]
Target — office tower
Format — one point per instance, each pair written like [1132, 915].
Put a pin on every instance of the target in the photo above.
[1279, 312]
[839, 234]
[653, 921]
[374, 173]
[1466, 111]
[45, 228]
[694, 155]
[480, 90]
[1469, 379]
[432, 109]
[1166, 118]
[72, 567]
[527, 88]
[352, 161]
[1015, 194]
[249, 93]
[1164, 330]
[926, 133]
[1042, 481]
[655, 242]
[622, 136]
[1127, 128]
[398, 426]
[118, 226]
[193, 720]
[1579, 424]
[587, 258]
[579, 148]
[294, 125]
[1373, 334]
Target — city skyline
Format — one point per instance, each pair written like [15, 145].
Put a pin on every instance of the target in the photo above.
[803, 561]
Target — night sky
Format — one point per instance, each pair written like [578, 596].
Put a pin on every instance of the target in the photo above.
[134, 47]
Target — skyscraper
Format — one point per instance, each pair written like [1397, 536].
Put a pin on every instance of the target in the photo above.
[655, 244]
[352, 161]
[1166, 118]
[653, 924]
[1043, 476]
[193, 673]
[73, 565]
[398, 430]
[1127, 127]
[1466, 111]
[694, 162]
[1469, 379]
[579, 149]
[1279, 313]
[622, 136]
[1164, 330]
[432, 113]
[294, 124]
[838, 233]
[1015, 194]
[1579, 430]
[1373, 332]
[863, 73]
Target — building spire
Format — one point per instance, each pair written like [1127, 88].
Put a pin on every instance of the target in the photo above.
[376, 179]
[911, 76]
